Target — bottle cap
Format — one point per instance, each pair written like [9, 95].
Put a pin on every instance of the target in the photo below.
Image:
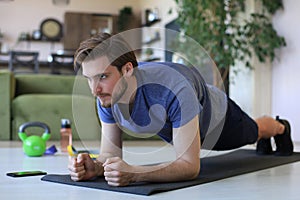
[65, 123]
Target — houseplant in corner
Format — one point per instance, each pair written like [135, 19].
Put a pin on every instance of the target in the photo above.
[228, 33]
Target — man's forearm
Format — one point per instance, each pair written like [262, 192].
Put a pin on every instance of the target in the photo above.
[167, 172]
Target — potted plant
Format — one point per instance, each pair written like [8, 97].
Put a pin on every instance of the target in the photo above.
[218, 27]
[124, 19]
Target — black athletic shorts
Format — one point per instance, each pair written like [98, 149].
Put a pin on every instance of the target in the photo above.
[237, 130]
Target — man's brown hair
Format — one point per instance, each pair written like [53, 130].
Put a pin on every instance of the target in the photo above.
[114, 47]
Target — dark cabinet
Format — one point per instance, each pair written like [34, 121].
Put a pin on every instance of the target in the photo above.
[80, 26]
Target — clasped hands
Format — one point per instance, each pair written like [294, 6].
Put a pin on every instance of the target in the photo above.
[116, 171]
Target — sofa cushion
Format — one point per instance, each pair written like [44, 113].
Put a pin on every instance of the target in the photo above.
[50, 84]
[79, 109]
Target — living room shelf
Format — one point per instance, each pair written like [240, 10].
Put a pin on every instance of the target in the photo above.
[152, 40]
[151, 22]
[39, 40]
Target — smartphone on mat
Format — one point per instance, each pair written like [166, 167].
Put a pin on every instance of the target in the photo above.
[26, 173]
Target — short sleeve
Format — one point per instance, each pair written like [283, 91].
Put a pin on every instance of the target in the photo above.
[186, 106]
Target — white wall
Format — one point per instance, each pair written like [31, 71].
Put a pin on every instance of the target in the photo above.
[286, 71]
[149, 32]
[26, 15]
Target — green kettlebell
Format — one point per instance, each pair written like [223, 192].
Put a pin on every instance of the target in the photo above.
[34, 145]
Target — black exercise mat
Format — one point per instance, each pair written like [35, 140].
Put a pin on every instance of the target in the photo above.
[212, 168]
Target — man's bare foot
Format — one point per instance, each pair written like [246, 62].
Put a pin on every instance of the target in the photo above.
[268, 127]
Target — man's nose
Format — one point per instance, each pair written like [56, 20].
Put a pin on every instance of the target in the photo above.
[96, 87]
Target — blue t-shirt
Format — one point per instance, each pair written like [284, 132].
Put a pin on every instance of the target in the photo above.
[168, 96]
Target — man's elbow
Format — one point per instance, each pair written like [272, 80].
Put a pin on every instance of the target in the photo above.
[193, 172]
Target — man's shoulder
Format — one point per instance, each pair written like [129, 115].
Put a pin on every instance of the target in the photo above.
[163, 67]
[159, 64]
[163, 73]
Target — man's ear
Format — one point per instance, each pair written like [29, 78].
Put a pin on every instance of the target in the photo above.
[127, 69]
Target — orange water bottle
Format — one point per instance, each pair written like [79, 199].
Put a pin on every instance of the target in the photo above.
[65, 134]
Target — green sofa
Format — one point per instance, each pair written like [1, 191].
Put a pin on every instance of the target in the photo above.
[46, 98]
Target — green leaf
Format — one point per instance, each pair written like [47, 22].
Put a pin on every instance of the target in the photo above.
[204, 21]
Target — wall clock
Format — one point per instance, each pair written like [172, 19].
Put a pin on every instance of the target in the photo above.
[51, 29]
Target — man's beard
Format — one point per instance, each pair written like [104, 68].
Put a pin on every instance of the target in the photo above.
[104, 104]
[117, 93]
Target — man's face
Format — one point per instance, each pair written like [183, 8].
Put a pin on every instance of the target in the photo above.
[105, 81]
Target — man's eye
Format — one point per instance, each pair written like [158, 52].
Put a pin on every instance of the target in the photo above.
[102, 76]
